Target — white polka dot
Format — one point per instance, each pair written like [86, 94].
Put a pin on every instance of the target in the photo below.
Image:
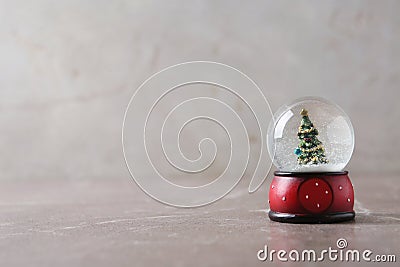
[326, 192]
[317, 205]
[272, 186]
[316, 184]
[340, 187]
[283, 198]
[306, 196]
[348, 200]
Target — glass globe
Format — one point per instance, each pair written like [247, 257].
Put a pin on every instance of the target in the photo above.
[310, 135]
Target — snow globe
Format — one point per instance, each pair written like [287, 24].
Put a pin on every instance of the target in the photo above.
[311, 141]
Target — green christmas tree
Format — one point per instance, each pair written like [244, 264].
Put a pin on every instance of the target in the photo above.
[310, 150]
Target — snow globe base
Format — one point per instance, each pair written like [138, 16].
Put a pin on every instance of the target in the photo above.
[311, 197]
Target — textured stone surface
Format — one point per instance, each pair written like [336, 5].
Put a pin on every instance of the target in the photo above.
[68, 69]
[112, 222]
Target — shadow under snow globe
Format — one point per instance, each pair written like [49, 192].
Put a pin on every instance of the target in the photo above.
[311, 141]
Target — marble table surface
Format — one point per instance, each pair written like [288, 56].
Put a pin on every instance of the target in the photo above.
[111, 222]
[69, 68]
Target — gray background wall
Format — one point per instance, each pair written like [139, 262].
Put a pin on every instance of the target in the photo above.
[68, 69]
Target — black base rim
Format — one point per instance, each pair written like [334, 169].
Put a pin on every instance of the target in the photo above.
[325, 218]
[309, 174]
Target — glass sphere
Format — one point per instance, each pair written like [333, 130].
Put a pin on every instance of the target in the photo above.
[310, 135]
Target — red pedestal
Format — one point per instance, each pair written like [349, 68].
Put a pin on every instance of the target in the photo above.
[311, 197]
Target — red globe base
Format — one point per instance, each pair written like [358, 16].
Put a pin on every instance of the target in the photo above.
[326, 197]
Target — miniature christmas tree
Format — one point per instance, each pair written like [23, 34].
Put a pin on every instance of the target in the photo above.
[310, 150]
